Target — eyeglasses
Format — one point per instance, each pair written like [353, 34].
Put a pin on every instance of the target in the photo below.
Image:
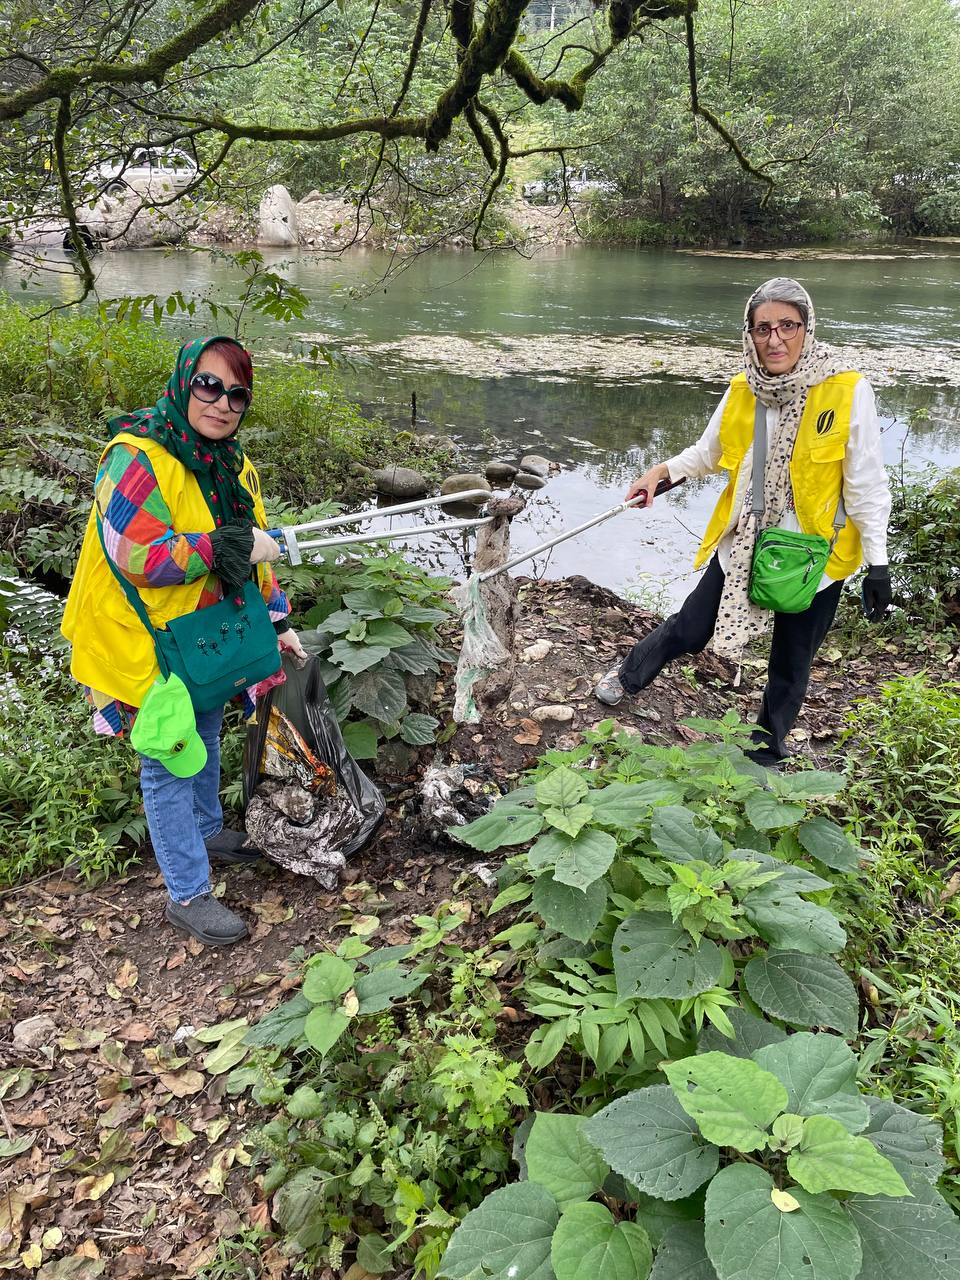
[209, 388]
[786, 329]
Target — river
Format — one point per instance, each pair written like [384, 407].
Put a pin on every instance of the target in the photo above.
[603, 360]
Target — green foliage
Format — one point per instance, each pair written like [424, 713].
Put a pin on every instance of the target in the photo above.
[905, 745]
[66, 799]
[924, 546]
[802, 1204]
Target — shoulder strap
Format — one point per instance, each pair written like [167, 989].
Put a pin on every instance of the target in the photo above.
[760, 466]
[133, 598]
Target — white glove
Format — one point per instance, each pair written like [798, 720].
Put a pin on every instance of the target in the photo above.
[264, 548]
[289, 642]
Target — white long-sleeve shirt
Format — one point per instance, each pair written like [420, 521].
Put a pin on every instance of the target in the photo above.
[866, 487]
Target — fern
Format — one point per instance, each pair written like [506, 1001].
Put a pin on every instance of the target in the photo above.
[19, 485]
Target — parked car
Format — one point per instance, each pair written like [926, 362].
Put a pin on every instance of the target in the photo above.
[581, 183]
[167, 166]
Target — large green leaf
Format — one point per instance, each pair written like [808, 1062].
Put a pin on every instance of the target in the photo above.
[654, 957]
[561, 1159]
[360, 739]
[913, 1143]
[368, 602]
[791, 923]
[381, 694]
[751, 1033]
[658, 1217]
[282, 1026]
[416, 659]
[327, 978]
[831, 1159]
[298, 1206]
[388, 634]
[683, 1255]
[797, 879]
[732, 1099]
[561, 789]
[628, 804]
[908, 1239]
[589, 1245]
[419, 730]
[767, 813]
[376, 990]
[356, 657]
[506, 824]
[676, 834]
[830, 844]
[576, 860]
[324, 1027]
[808, 991]
[809, 784]
[820, 1075]
[649, 1139]
[507, 1237]
[574, 912]
[749, 1238]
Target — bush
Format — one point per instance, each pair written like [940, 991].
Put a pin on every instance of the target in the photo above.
[904, 748]
[924, 545]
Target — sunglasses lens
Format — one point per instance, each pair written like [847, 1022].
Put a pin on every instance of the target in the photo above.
[238, 398]
[208, 388]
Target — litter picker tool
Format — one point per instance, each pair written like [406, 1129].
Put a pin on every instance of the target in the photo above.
[293, 543]
[482, 651]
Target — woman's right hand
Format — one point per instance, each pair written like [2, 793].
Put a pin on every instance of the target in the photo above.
[649, 481]
[264, 548]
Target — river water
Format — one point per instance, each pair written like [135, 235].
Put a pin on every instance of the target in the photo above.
[605, 361]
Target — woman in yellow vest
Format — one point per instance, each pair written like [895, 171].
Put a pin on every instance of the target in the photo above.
[822, 442]
[182, 520]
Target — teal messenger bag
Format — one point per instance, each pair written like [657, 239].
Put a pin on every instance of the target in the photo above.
[217, 651]
[787, 565]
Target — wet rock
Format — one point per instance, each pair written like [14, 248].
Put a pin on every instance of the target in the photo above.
[446, 443]
[537, 651]
[278, 217]
[526, 480]
[536, 464]
[400, 482]
[555, 713]
[500, 471]
[463, 483]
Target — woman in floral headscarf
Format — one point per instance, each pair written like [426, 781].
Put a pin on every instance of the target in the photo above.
[823, 440]
[182, 521]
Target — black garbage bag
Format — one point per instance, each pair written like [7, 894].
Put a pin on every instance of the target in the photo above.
[309, 805]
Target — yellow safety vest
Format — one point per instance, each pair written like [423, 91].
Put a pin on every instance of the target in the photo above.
[112, 650]
[816, 467]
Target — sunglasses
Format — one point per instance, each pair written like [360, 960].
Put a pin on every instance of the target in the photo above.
[209, 388]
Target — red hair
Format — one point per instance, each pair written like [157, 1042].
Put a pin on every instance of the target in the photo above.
[237, 359]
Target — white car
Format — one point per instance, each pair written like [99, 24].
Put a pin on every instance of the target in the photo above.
[581, 183]
[150, 166]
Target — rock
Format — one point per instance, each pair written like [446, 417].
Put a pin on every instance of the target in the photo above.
[35, 1032]
[536, 464]
[311, 197]
[400, 482]
[648, 713]
[278, 218]
[463, 483]
[501, 470]
[526, 480]
[446, 443]
[556, 712]
[537, 651]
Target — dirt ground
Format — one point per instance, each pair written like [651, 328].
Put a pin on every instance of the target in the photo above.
[123, 1156]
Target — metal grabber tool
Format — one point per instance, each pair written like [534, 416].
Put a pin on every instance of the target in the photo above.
[291, 539]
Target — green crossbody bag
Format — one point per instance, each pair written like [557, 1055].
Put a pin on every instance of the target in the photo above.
[787, 565]
[216, 651]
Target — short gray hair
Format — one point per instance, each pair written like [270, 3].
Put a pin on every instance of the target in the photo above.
[781, 289]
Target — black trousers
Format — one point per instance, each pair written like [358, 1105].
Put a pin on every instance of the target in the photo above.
[796, 639]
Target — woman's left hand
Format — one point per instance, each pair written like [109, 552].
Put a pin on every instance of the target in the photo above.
[289, 641]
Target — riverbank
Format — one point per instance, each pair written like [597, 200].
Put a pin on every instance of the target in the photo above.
[129, 1150]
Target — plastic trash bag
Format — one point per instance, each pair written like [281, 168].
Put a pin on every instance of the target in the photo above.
[308, 803]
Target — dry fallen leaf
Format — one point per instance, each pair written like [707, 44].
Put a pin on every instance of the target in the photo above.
[127, 975]
[137, 1032]
[183, 1083]
[93, 1187]
[784, 1201]
[174, 1132]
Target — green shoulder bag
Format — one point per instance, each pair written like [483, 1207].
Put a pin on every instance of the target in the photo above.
[217, 651]
[787, 565]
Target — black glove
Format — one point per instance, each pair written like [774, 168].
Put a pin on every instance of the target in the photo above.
[877, 593]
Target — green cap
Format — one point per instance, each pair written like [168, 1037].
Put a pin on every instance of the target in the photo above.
[166, 728]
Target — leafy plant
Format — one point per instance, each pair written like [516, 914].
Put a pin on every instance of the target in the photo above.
[805, 1180]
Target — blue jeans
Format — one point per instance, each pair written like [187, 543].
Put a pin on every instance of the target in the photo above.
[183, 812]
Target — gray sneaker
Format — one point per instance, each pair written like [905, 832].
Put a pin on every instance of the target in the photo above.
[208, 920]
[609, 690]
[232, 846]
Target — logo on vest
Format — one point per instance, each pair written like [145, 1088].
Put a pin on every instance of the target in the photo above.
[825, 421]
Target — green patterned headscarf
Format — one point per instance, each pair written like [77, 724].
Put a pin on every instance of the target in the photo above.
[216, 463]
